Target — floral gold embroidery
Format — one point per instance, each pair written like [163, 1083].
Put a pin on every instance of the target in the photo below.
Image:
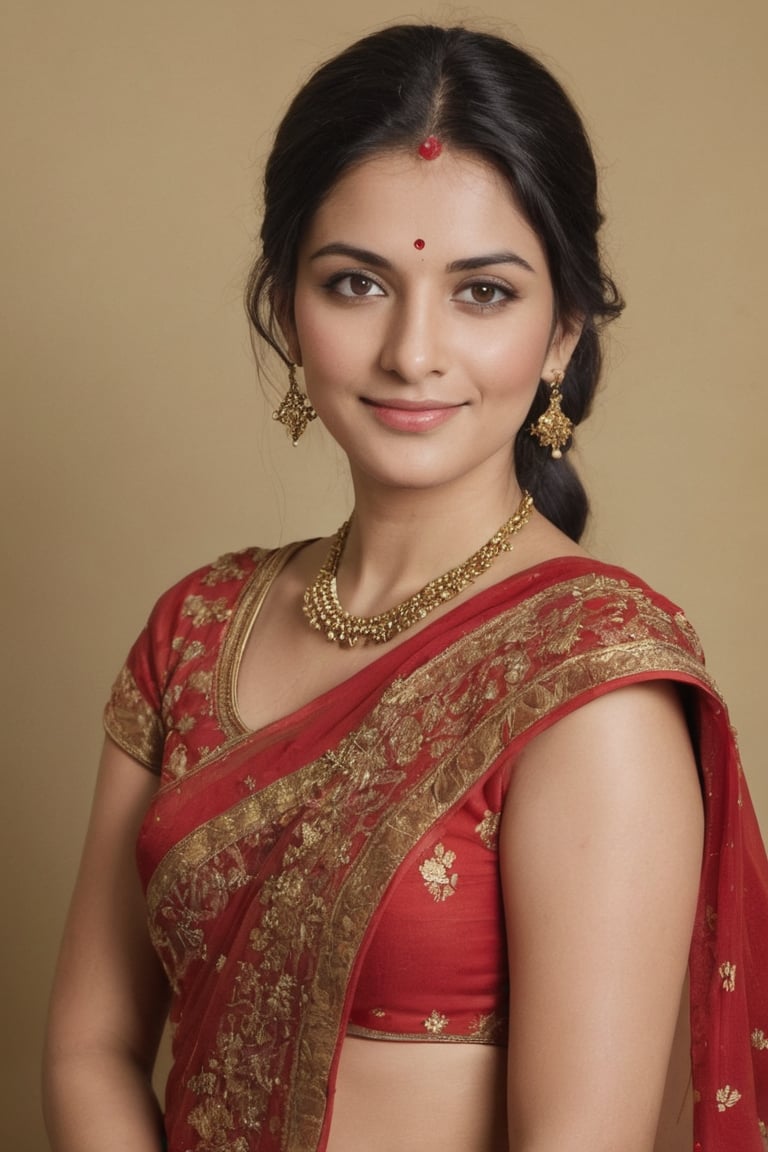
[727, 973]
[487, 1027]
[727, 1097]
[406, 741]
[202, 611]
[209, 1118]
[759, 1040]
[189, 651]
[177, 761]
[227, 567]
[689, 632]
[435, 873]
[201, 682]
[488, 829]
[436, 1022]
[379, 1012]
[468, 712]
[132, 723]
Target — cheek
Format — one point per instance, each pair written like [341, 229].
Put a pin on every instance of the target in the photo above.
[322, 351]
[515, 355]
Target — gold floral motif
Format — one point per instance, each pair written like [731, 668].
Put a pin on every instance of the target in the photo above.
[202, 611]
[435, 874]
[488, 829]
[763, 1131]
[727, 1097]
[488, 1028]
[378, 1012]
[177, 761]
[727, 973]
[759, 1040]
[210, 1118]
[201, 681]
[132, 723]
[171, 697]
[227, 567]
[406, 742]
[436, 1022]
[190, 650]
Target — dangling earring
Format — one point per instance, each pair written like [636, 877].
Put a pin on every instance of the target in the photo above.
[553, 429]
[295, 410]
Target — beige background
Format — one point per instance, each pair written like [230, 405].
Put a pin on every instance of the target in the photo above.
[136, 444]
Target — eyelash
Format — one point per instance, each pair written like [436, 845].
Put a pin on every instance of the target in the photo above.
[332, 284]
[507, 293]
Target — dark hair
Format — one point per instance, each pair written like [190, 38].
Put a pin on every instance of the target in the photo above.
[480, 94]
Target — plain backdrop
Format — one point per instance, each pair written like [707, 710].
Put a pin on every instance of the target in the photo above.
[137, 444]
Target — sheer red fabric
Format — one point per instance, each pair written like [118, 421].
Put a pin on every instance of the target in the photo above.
[272, 860]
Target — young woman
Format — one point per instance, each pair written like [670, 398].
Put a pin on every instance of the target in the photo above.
[431, 815]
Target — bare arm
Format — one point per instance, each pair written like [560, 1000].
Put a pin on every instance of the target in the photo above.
[601, 854]
[110, 996]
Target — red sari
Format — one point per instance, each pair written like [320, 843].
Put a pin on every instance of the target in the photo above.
[268, 857]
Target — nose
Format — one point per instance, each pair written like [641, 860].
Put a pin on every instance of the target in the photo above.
[413, 345]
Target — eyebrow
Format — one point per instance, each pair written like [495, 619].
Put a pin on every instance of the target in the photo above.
[469, 264]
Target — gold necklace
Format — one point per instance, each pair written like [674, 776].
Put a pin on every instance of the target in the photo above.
[325, 613]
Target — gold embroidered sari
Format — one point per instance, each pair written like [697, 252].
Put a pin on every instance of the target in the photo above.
[267, 856]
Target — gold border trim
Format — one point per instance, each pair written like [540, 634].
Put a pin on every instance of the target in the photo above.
[358, 1031]
[244, 615]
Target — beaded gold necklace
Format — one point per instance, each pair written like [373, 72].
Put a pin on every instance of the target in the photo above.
[325, 613]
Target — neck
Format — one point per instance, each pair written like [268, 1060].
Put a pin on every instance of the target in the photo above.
[401, 540]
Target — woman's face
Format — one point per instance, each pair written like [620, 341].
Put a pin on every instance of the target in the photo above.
[423, 318]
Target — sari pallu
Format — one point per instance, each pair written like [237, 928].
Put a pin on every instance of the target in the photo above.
[268, 862]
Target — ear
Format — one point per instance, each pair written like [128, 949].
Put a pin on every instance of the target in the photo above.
[563, 343]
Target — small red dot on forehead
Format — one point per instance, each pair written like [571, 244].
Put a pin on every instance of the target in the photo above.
[418, 244]
[430, 148]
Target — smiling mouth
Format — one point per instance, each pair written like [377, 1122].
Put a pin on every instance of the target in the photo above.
[412, 416]
[401, 405]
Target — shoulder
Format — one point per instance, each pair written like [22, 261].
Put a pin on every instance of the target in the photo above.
[590, 604]
[205, 599]
[179, 647]
[573, 629]
[213, 588]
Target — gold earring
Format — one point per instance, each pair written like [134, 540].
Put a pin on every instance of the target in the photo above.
[295, 410]
[553, 429]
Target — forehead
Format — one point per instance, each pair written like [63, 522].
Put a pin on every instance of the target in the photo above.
[459, 197]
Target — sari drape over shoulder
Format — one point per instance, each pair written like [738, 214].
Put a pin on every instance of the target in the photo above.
[268, 857]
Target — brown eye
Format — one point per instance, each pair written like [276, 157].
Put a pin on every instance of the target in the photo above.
[483, 293]
[355, 284]
[360, 285]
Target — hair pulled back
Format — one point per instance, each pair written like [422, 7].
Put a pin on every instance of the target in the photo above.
[477, 93]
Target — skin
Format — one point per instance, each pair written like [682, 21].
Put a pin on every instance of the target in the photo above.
[423, 369]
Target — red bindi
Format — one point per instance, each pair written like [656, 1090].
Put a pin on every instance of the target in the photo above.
[430, 148]
[418, 244]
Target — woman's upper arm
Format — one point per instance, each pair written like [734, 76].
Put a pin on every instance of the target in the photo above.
[109, 988]
[600, 853]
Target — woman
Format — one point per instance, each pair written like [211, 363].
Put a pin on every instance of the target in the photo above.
[422, 871]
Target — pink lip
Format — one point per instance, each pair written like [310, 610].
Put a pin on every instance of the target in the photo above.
[412, 415]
